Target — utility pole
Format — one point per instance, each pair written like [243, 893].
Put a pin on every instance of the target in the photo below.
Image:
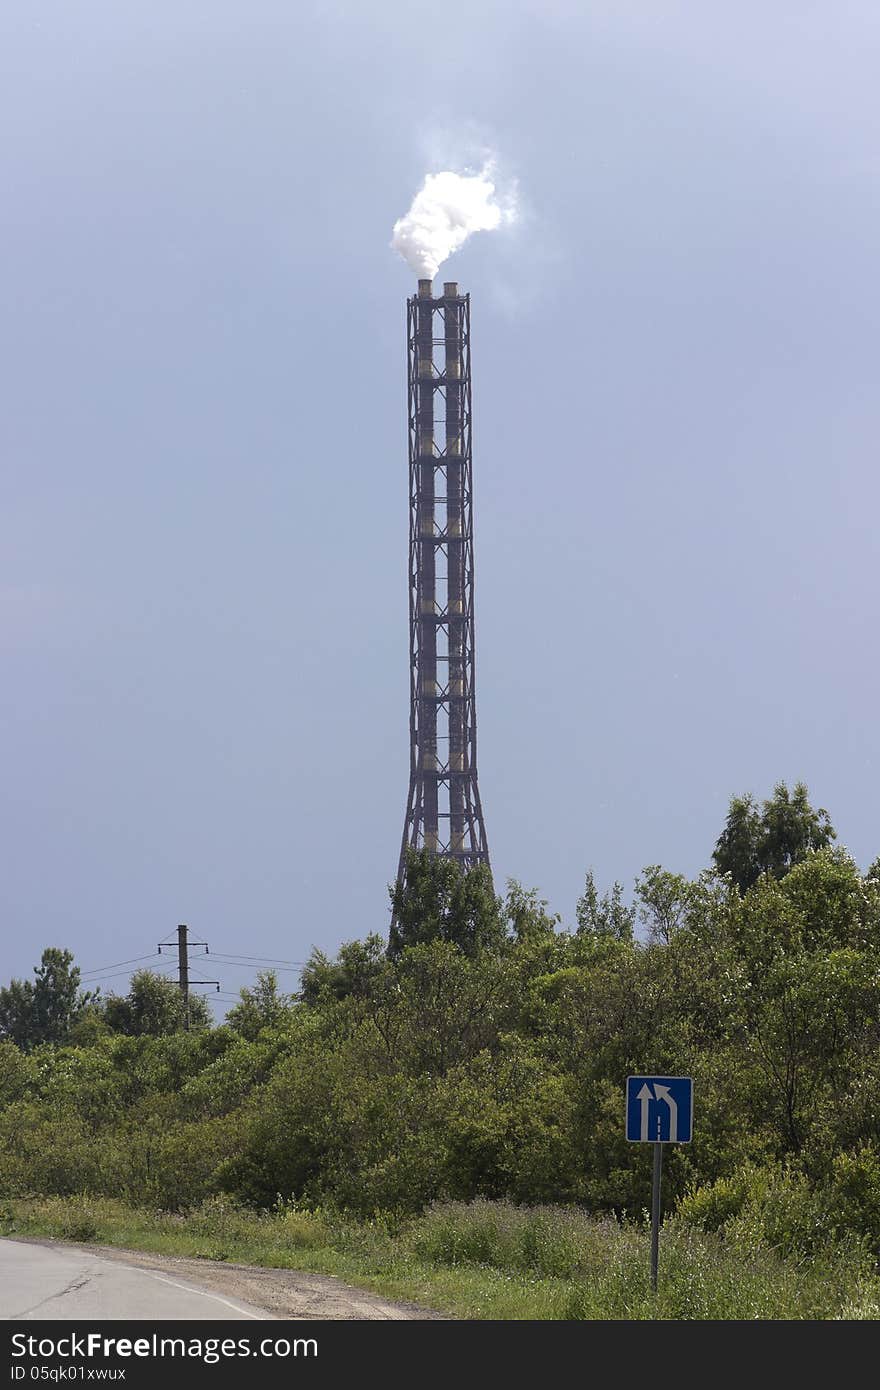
[183, 979]
[183, 972]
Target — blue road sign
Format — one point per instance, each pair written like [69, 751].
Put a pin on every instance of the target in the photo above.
[659, 1109]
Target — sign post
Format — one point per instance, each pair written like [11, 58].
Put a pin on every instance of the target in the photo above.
[659, 1110]
[655, 1214]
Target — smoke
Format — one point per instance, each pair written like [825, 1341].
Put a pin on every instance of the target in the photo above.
[446, 210]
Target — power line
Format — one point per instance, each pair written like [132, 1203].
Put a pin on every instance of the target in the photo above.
[105, 979]
[270, 960]
[84, 974]
[101, 974]
[147, 970]
[193, 941]
[247, 965]
[225, 957]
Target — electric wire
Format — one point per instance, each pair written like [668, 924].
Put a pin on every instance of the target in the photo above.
[119, 974]
[271, 960]
[104, 974]
[247, 965]
[84, 974]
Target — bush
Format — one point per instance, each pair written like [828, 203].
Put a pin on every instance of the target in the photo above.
[781, 1209]
[712, 1206]
[854, 1197]
[554, 1242]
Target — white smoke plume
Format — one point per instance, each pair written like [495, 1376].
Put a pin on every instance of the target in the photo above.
[446, 210]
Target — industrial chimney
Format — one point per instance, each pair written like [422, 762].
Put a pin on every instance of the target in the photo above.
[443, 812]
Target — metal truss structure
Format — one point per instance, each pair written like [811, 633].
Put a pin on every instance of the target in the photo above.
[443, 812]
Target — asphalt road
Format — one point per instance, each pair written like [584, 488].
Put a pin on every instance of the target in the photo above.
[39, 1282]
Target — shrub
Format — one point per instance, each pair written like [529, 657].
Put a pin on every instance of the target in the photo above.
[711, 1206]
[854, 1197]
[553, 1242]
[779, 1208]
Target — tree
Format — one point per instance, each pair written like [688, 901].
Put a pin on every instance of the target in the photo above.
[608, 916]
[258, 1007]
[438, 900]
[16, 1073]
[527, 913]
[436, 1006]
[664, 900]
[17, 1014]
[153, 1006]
[822, 904]
[807, 1019]
[737, 848]
[772, 840]
[353, 972]
[45, 1011]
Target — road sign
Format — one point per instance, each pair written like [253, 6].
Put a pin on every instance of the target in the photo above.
[659, 1109]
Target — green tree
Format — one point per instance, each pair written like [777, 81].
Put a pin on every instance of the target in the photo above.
[90, 1026]
[737, 849]
[17, 1072]
[608, 916]
[806, 1021]
[438, 900]
[17, 1022]
[664, 901]
[44, 1011]
[772, 840]
[527, 913]
[353, 972]
[259, 1006]
[436, 1006]
[822, 904]
[153, 1007]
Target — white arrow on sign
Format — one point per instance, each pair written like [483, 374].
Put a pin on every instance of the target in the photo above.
[645, 1097]
[662, 1093]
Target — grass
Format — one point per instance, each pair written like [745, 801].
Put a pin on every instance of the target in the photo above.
[484, 1259]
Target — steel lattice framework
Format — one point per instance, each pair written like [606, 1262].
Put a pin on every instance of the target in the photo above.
[443, 812]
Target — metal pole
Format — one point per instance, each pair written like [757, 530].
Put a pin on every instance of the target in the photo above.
[183, 972]
[655, 1214]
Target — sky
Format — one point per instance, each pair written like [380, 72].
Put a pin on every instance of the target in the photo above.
[203, 473]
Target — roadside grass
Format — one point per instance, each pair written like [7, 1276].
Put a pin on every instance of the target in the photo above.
[484, 1259]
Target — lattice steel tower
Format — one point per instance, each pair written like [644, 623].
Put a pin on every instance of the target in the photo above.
[443, 811]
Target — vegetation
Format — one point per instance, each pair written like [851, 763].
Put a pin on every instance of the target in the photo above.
[47, 1010]
[459, 1089]
[487, 1259]
[773, 839]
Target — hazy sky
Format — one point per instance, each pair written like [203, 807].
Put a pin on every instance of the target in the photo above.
[203, 598]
